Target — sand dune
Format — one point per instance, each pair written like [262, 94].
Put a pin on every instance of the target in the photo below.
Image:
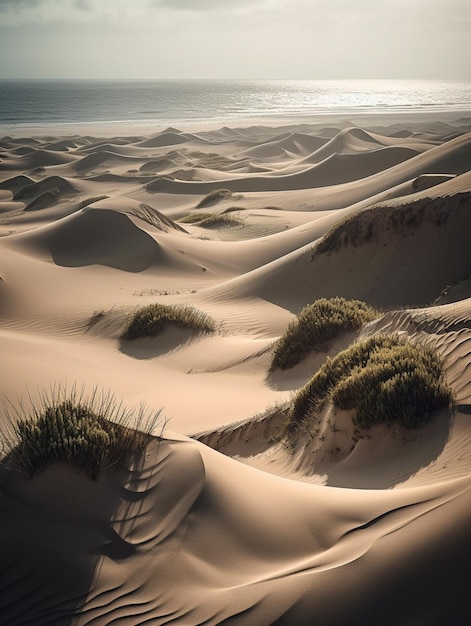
[221, 520]
[102, 235]
[9, 141]
[451, 157]
[156, 165]
[169, 138]
[192, 488]
[33, 190]
[102, 159]
[22, 150]
[16, 183]
[390, 264]
[118, 147]
[96, 237]
[43, 158]
[291, 143]
[353, 141]
[63, 145]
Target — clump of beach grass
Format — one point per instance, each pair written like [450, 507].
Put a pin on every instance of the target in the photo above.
[153, 319]
[221, 221]
[316, 325]
[383, 221]
[233, 209]
[87, 201]
[213, 197]
[383, 379]
[86, 432]
[194, 218]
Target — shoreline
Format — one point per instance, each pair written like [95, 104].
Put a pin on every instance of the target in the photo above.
[346, 118]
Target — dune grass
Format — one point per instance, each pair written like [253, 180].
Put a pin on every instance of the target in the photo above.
[233, 209]
[194, 218]
[154, 218]
[88, 433]
[153, 319]
[221, 221]
[316, 325]
[213, 197]
[383, 221]
[384, 379]
[87, 201]
[211, 220]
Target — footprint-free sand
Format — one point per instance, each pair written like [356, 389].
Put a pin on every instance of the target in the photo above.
[218, 522]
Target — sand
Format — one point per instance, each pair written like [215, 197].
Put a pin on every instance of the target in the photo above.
[217, 523]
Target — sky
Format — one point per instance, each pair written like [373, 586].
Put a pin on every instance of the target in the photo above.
[258, 39]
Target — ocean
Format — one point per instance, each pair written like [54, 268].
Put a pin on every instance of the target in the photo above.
[47, 103]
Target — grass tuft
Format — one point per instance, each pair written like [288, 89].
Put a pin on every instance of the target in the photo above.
[384, 379]
[317, 325]
[89, 433]
[193, 218]
[383, 221]
[213, 197]
[153, 319]
[233, 209]
[84, 203]
[220, 221]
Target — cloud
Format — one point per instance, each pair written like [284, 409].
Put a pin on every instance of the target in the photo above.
[18, 5]
[205, 6]
[83, 5]
[41, 12]
[120, 6]
[235, 38]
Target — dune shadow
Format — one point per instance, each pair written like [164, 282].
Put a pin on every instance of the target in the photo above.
[248, 437]
[387, 461]
[52, 547]
[288, 380]
[170, 341]
[62, 534]
[102, 237]
[464, 408]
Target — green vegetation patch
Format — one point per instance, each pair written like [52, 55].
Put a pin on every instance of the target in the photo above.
[384, 379]
[86, 433]
[221, 221]
[194, 218]
[233, 209]
[383, 221]
[153, 319]
[213, 197]
[318, 324]
[84, 203]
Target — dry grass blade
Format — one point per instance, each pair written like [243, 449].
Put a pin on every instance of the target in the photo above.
[213, 197]
[89, 432]
[385, 379]
[317, 325]
[153, 319]
[220, 221]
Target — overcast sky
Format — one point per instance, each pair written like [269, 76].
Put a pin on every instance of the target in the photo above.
[298, 39]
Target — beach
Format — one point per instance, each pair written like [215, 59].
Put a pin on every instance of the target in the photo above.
[219, 521]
